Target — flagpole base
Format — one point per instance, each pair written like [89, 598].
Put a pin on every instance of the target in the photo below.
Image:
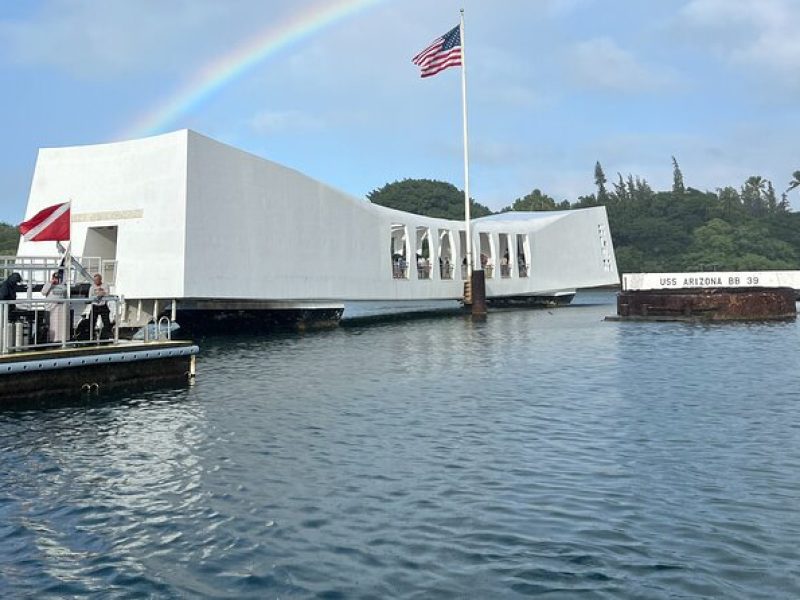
[478, 295]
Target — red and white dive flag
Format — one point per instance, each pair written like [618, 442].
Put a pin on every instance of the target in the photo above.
[48, 225]
[444, 51]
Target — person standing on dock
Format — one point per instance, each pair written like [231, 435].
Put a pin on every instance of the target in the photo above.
[98, 294]
[58, 310]
[8, 291]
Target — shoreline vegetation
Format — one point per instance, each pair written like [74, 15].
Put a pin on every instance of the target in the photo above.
[9, 239]
[682, 229]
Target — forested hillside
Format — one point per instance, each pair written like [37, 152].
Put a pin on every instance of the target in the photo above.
[732, 228]
[9, 238]
[426, 197]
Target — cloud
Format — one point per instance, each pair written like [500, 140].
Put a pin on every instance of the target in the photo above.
[750, 33]
[708, 160]
[496, 153]
[722, 14]
[600, 63]
[499, 76]
[272, 121]
[114, 38]
[651, 147]
[562, 8]
[516, 96]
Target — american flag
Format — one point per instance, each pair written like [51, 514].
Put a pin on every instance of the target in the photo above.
[445, 51]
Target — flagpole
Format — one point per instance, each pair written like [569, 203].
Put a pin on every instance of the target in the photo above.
[68, 307]
[467, 218]
[68, 275]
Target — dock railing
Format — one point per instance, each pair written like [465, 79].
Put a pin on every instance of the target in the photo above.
[35, 321]
[40, 324]
[36, 270]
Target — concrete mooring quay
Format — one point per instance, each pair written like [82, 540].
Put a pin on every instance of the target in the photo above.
[72, 371]
[714, 296]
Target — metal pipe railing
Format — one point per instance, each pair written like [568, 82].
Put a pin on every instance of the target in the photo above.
[167, 331]
[20, 330]
[4, 327]
[36, 269]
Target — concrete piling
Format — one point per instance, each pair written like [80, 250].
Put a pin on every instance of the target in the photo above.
[478, 294]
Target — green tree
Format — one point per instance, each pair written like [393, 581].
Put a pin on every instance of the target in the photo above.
[9, 239]
[753, 193]
[730, 203]
[426, 197]
[713, 246]
[631, 187]
[755, 239]
[795, 182]
[720, 245]
[585, 201]
[600, 181]
[536, 200]
[642, 192]
[620, 191]
[633, 260]
[783, 205]
[677, 178]
[770, 200]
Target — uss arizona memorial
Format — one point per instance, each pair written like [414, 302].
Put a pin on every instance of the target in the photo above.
[184, 222]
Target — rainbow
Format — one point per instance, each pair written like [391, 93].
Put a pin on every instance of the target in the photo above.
[225, 69]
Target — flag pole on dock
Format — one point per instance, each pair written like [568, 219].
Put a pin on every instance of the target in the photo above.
[446, 51]
[68, 311]
[476, 296]
[53, 224]
[467, 217]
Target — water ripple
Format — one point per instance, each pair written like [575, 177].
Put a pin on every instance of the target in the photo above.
[538, 453]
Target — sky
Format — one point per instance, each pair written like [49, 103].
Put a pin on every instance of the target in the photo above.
[327, 87]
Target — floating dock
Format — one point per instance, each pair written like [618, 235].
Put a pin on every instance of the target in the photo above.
[72, 371]
[54, 348]
[709, 296]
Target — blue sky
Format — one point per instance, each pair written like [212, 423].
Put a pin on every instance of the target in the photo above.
[554, 85]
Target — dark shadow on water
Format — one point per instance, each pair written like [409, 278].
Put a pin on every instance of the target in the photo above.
[405, 316]
[217, 343]
[700, 323]
[172, 390]
[378, 314]
[258, 338]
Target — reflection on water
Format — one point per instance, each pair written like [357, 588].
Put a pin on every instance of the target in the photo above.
[78, 475]
[541, 451]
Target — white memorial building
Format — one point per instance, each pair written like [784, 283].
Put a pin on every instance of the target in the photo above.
[180, 222]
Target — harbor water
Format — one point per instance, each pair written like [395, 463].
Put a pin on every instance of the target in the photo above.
[541, 452]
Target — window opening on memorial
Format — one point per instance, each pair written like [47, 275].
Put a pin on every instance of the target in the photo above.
[487, 254]
[423, 253]
[505, 256]
[523, 254]
[462, 249]
[446, 255]
[399, 251]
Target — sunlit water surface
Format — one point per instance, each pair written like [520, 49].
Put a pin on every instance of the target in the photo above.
[541, 452]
